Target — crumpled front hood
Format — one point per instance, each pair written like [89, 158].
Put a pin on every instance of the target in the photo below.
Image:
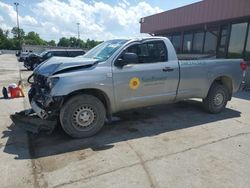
[56, 64]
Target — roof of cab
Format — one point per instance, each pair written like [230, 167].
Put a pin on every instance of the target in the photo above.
[143, 39]
[68, 49]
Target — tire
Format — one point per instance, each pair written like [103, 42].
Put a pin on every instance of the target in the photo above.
[216, 99]
[82, 116]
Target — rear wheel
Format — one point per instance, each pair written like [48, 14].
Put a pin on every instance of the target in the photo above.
[82, 116]
[216, 99]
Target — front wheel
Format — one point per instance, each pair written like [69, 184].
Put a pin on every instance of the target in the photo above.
[216, 99]
[82, 116]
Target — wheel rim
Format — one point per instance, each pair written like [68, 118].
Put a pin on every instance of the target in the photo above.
[218, 99]
[84, 117]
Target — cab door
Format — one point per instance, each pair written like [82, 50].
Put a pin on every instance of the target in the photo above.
[150, 80]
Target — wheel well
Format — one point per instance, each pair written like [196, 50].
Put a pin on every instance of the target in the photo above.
[227, 82]
[95, 92]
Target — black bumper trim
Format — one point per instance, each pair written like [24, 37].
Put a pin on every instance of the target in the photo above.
[32, 123]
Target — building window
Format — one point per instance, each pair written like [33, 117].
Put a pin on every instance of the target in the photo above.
[237, 40]
[247, 54]
[176, 41]
[198, 42]
[187, 43]
[169, 37]
[210, 42]
[224, 32]
[222, 47]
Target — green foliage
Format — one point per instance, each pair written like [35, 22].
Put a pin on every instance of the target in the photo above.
[5, 42]
[51, 43]
[64, 42]
[14, 31]
[33, 38]
[74, 42]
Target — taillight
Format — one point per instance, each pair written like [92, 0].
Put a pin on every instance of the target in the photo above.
[243, 65]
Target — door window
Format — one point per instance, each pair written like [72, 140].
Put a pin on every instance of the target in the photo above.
[149, 52]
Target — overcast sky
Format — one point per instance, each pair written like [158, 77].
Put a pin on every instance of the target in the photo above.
[99, 20]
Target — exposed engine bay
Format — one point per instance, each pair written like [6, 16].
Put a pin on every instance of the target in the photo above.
[39, 94]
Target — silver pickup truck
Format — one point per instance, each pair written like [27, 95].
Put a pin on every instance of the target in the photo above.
[119, 75]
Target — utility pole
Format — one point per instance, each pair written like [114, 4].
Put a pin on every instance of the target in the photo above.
[18, 29]
[78, 31]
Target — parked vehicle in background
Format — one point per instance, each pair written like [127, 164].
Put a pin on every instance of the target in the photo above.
[33, 60]
[22, 56]
[122, 74]
[18, 53]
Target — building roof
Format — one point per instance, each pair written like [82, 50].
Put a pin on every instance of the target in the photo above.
[206, 11]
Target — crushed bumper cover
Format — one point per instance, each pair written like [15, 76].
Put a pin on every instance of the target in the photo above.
[39, 111]
[29, 121]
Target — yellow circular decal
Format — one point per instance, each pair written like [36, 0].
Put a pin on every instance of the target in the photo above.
[134, 83]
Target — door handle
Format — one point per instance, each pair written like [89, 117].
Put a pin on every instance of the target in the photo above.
[167, 69]
[128, 66]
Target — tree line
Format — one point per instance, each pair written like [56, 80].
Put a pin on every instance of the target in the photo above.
[33, 38]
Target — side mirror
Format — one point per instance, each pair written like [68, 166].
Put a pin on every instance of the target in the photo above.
[127, 58]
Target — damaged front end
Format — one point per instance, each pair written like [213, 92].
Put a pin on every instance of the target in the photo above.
[45, 105]
[45, 110]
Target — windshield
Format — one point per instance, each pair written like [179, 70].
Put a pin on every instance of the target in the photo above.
[104, 50]
[43, 53]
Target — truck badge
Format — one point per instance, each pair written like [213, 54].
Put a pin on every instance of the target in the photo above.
[134, 83]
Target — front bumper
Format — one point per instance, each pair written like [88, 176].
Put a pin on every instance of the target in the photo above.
[20, 59]
[39, 111]
[36, 119]
[29, 121]
[26, 64]
[42, 102]
[45, 105]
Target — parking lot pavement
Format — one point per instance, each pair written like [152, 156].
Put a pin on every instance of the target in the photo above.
[14, 172]
[177, 145]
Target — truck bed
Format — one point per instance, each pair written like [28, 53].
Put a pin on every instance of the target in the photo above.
[195, 56]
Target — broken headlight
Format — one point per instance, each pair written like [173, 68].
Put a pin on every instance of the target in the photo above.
[51, 82]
